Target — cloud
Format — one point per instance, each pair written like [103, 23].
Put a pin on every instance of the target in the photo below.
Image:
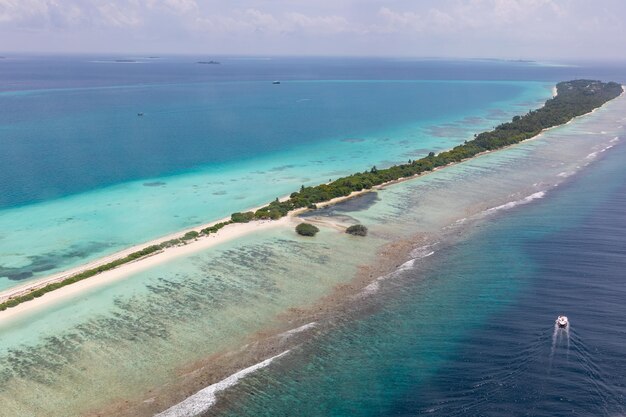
[319, 24]
[408, 21]
[119, 16]
[175, 6]
[254, 21]
[427, 27]
[468, 15]
[16, 10]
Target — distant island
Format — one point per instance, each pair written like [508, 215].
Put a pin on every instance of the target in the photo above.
[125, 60]
[208, 62]
[521, 61]
[574, 98]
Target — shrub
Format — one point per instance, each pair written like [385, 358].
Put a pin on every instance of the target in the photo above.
[242, 217]
[306, 229]
[357, 230]
[170, 243]
[190, 235]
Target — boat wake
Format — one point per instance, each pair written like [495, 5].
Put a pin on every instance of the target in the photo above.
[560, 338]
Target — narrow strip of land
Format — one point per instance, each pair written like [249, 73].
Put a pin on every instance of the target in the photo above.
[573, 99]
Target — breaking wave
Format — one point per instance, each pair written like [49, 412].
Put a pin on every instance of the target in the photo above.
[511, 204]
[204, 399]
[416, 254]
[297, 330]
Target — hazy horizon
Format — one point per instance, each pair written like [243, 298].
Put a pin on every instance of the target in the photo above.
[547, 30]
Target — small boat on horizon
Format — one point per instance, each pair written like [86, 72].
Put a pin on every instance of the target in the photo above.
[140, 114]
[276, 82]
[562, 321]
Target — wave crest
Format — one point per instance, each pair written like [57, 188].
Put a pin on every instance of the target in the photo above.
[202, 400]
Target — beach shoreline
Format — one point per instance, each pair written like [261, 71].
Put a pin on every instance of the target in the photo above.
[201, 242]
[269, 341]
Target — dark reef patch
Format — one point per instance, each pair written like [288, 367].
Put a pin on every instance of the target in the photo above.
[50, 261]
[154, 184]
[472, 120]
[282, 168]
[358, 203]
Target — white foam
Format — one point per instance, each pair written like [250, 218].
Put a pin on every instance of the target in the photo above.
[615, 139]
[371, 288]
[424, 251]
[297, 330]
[511, 204]
[407, 265]
[375, 285]
[592, 155]
[202, 400]
[565, 174]
[416, 254]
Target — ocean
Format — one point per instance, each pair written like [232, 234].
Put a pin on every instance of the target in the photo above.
[84, 176]
[491, 251]
[469, 331]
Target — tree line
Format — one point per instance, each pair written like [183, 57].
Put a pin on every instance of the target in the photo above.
[574, 98]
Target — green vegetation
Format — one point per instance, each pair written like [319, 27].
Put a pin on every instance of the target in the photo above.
[306, 229]
[214, 228]
[357, 230]
[574, 98]
[242, 217]
[190, 235]
[79, 277]
[149, 250]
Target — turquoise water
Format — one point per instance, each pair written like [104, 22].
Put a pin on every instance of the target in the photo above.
[84, 176]
[470, 329]
[155, 337]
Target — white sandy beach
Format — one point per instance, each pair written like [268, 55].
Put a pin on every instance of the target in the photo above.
[229, 232]
[204, 242]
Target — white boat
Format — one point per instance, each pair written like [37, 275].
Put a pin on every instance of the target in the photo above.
[562, 321]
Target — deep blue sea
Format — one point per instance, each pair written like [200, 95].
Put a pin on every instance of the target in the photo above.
[471, 331]
[69, 124]
[100, 155]
[468, 331]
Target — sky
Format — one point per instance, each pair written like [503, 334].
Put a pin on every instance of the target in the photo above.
[512, 29]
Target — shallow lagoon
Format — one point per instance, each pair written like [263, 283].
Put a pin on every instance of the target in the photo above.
[101, 179]
[154, 326]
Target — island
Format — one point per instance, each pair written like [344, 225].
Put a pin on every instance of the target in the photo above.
[208, 62]
[573, 99]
